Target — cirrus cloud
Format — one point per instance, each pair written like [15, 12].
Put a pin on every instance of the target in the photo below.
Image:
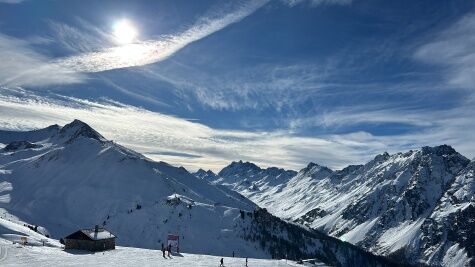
[195, 145]
[22, 66]
[453, 49]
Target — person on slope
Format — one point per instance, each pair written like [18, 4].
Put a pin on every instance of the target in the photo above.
[163, 251]
[222, 262]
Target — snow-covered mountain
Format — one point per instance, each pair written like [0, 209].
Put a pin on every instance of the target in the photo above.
[74, 178]
[249, 178]
[208, 175]
[416, 207]
[71, 177]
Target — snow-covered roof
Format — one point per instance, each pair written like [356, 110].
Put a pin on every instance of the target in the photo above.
[91, 234]
[99, 235]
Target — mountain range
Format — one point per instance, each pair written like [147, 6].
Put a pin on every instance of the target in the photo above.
[416, 207]
[57, 180]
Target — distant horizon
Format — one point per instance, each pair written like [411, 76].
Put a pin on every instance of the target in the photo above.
[216, 171]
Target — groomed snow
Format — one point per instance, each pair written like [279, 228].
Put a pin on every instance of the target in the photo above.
[122, 256]
[34, 254]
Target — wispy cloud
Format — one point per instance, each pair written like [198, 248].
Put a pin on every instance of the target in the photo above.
[315, 3]
[453, 126]
[276, 87]
[149, 132]
[11, 1]
[86, 39]
[259, 87]
[22, 66]
[151, 51]
[162, 137]
[453, 50]
[374, 114]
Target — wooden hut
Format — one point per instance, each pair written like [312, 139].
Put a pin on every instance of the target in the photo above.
[96, 239]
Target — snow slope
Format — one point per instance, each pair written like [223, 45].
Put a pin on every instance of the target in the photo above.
[71, 177]
[13, 231]
[126, 256]
[52, 253]
[416, 207]
[77, 179]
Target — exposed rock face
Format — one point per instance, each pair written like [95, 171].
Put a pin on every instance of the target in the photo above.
[19, 145]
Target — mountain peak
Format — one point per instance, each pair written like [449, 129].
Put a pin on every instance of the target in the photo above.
[241, 164]
[439, 150]
[200, 171]
[315, 170]
[79, 128]
[210, 172]
[311, 165]
[206, 175]
[77, 123]
[382, 157]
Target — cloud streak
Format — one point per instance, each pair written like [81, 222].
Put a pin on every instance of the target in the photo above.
[149, 132]
[11, 1]
[283, 87]
[453, 50]
[22, 66]
[315, 3]
[152, 51]
[194, 145]
[86, 39]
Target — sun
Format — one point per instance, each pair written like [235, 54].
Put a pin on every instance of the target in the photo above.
[124, 32]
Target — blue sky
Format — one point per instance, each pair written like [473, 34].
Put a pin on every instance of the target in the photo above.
[279, 83]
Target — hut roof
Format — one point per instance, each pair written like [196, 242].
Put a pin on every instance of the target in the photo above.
[91, 234]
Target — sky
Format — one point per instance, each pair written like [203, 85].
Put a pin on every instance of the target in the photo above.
[277, 82]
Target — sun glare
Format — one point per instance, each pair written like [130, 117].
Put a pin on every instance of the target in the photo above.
[124, 32]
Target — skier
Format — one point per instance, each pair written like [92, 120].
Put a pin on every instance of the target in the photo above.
[163, 251]
[222, 263]
[246, 261]
[169, 249]
[233, 253]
